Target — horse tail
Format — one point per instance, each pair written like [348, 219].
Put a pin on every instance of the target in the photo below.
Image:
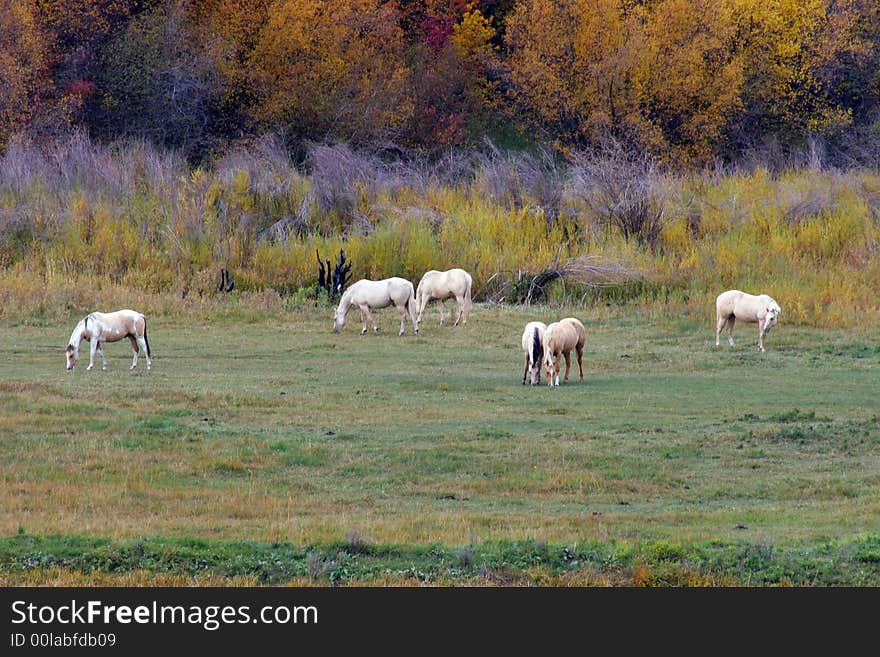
[410, 302]
[146, 341]
[537, 347]
[410, 306]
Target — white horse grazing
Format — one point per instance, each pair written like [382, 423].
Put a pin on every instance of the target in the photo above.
[533, 346]
[442, 285]
[367, 294]
[109, 327]
[560, 338]
[733, 305]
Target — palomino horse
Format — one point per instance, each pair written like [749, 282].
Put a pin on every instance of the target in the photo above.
[533, 346]
[442, 285]
[560, 338]
[733, 305]
[109, 327]
[367, 294]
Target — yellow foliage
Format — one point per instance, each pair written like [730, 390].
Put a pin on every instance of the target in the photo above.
[334, 66]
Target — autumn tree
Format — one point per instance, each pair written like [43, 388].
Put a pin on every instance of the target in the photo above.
[688, 78]
[658, 74]
[453, 79]
[849, 57]
[331, 69]
[25, 66]
[153, 82]
[79, 28]
[572, 65]
[783, 94]
[227, 32]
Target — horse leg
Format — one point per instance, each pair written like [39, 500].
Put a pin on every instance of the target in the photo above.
[368, 318]
[100, 351]
[408, 308]
[142, 341]
[580, 355]
[440, 307]
[730, 322]
[525, 371]
[567, 355]
[93, 347]
[460, 306]
[134, 349]
[720, 321]
[421, 302]
[402, 311]
[761, 335]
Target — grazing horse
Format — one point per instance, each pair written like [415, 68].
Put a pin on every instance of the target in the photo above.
[367, 294]
[442, 285]
[733, 305]
[99, 327]
[560, 338]
[533, 346]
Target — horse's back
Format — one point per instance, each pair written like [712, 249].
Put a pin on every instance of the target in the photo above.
[126, 315]
[726, 301]
[529, 334]
[428, 276]
[398, 283]
[575, 328]
[455, 280]
[400, 290]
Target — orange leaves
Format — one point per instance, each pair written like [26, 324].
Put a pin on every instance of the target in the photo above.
[679, 76]
[333, 68]
[684, 79]
[25, 65]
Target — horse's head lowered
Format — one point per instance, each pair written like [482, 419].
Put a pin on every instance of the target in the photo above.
[773, 311]
[72, 356]
[338, 320]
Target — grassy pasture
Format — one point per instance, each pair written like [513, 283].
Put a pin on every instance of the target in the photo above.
[278, 430]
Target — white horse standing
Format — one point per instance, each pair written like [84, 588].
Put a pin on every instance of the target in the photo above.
[733, 305]
[367, 294]
[533, 346]
[442, 285]
[100, 327]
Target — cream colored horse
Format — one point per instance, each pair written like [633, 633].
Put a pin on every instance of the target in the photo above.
[367, 294]
[442, 285]
[560, 338]
[533, 347]
[733, 305]
[99, 327]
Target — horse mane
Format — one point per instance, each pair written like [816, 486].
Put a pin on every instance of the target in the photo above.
[537, 347]
[345, 300]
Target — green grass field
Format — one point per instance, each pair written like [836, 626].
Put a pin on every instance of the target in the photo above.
[277, 431]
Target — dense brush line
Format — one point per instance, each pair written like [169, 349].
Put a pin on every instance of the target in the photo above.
[129, 216]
